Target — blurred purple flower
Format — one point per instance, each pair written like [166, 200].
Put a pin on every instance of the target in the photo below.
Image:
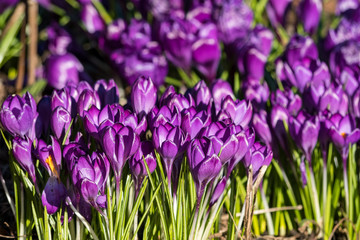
[309, 12]
[258, 156]
[92, 20]
[276, 11]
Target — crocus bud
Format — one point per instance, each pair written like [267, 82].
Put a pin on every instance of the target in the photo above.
[136, 163]
[60, 69]
[22, 152]
[201, 94]
[61, 98]
[143, 96]
[261, 126]
[59, 39]
[96, 120]
[276, 11]
[309, 13]
[170, 142]
[53, 195]
[204, 163]
[219, 90]
[119, 144]
[92, 20]
[86, 100]
[108, 92]
[60, 123]
[304, 129]
[17, 114]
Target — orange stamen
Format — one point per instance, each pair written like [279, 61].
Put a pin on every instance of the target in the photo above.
[51, 164]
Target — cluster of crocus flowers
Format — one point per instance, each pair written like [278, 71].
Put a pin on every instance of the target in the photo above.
[91, 133]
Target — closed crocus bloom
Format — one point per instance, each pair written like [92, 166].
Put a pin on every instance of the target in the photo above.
[86, 100]
[17, 114]
[258, 156]
[234, 20]
[53, 195]
[309, 12]
[72, 153]
[343, 132]
[59, 40]
[143, 96]
[219, 90]
[108, 92]
[119, 144]
[60, 69]
[174, 100]
[60, 123]
[304, 129]
[276, 11]
[256, 93]
[176, 37]
[356, 104]
[204, 164]
[22, 152]
[192, 121]
[92, 20]
[136, 35]
[239, 111]
[288, 100]
[206, 51]
[61, 98]
[226, 142]
[101, 168]
[136, 163]
[261, 126]
[253, 52]
[279, 116]
[170, 141]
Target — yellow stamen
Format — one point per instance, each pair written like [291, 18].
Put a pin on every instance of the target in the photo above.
[343, 135]
[51, 164]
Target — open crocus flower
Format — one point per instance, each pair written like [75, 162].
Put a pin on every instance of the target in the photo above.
[304, 129]
[18, 114]
[239, 111]
[164, 115]
[54, 192]
[22, 152]
[96, 120]
[170, 141]
[139, 125]
[192, 121]
[343, 132]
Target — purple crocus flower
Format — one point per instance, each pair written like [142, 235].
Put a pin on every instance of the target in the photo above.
[96, 120]
[92, 20]
[139, 125]
[201, 95]
[258, 156]
[54, 192]
[143, 96]
[343, 132]
[261, 126]
[61, 98]
[18, 114]
[170, 142]
[174, 100]
[22, 152]
[239, 111]
[60, 122]
[256, 93]
[309, 12]
[334, 100]
[108, 92]
[204, 164]
[288, 100]
[119, 143]
[253, 52]
[234, 19]
[304, 129]
[176, 37]
[137, 165]
[220, 89]
[112, 36]
[59, 40]
[86, 100]
[344, 5]
[192, 121]
[60, 69]
[164, 115]
[276, 11]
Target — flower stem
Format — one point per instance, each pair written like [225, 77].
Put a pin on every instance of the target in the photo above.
[269, 220]
[22, 212]
[316, 197]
